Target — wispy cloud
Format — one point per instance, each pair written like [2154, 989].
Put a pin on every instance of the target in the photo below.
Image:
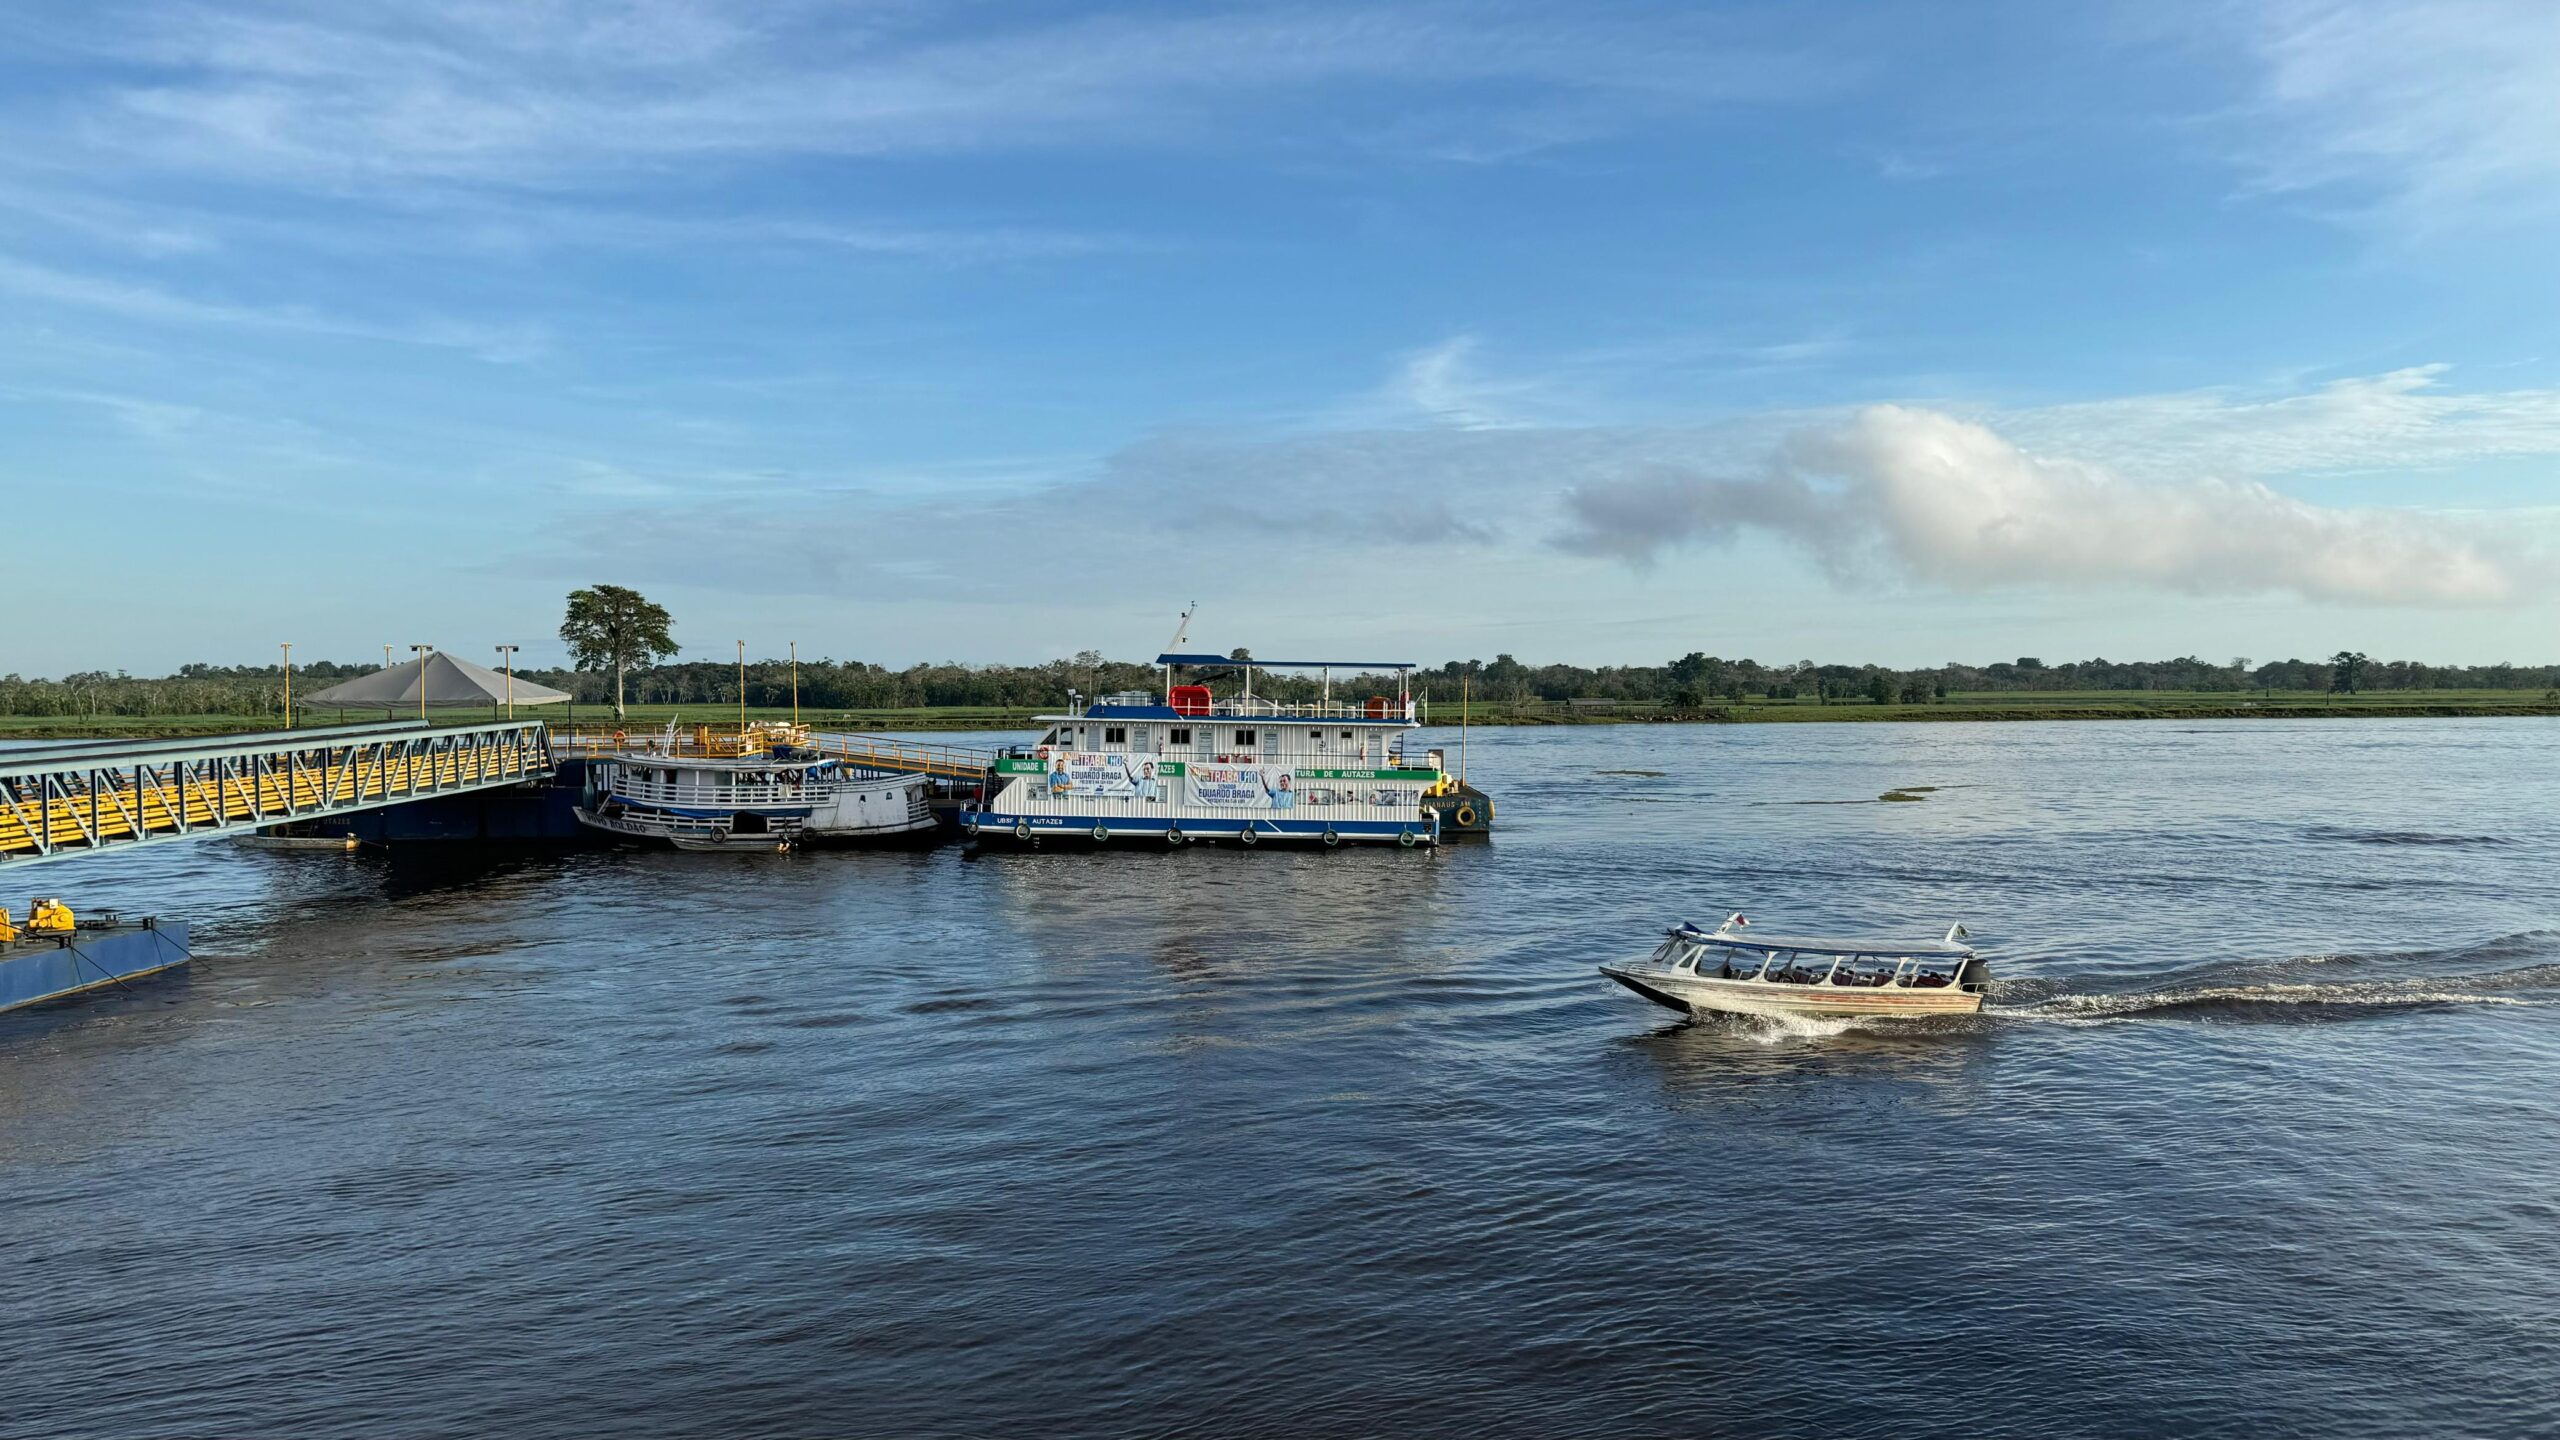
[2401, 420]
[501, 344]
[2428, 113]
[466, 89]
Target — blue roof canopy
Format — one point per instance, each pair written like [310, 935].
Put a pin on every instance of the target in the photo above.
[1258, 663]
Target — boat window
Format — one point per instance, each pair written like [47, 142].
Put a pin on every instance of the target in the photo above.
[1796, 969]
[1664, 950]
[1244, 737]
[1115, 734]
[1178, 735]
[1346, 734]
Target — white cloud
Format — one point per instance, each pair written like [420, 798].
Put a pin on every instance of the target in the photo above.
[2403, 419]
[497, 343]
[2441, 110]
[1439, 383]
[477, 91]
[1948, 504]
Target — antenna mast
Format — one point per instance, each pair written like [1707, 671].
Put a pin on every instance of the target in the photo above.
[1181, 633]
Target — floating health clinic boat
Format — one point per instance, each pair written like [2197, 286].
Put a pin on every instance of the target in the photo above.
[1728, 969]
[1192, 766]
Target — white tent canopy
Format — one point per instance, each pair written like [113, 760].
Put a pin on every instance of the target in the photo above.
[446, 680]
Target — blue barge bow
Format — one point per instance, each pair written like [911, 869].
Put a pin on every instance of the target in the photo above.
[40, 967]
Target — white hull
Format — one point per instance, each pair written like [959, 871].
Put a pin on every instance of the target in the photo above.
[705, 836]
[872, 809]
[1700, 994]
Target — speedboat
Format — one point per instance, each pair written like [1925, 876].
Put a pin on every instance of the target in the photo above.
[1734, 970]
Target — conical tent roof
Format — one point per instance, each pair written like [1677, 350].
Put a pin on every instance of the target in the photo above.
[448, 681]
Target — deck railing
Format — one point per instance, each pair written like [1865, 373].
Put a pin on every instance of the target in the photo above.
[1239, 707]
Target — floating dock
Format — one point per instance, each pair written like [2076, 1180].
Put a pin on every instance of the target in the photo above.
[103, 954]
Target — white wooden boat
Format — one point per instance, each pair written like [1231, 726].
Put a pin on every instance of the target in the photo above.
[1734, 970]
[767, 798]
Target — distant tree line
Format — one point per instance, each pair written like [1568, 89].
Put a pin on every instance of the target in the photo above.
[1693, 680]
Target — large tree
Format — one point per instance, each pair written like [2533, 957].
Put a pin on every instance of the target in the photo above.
[611, 628]
[2346, 670]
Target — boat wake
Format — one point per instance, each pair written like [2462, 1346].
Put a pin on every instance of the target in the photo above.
[2304, 988]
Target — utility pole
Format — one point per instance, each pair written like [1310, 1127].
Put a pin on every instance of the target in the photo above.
[507, 658]
[742, 689]
[795, 684]
[423, 652]
[288, 682]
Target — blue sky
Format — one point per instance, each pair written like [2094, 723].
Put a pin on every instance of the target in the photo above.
[999, 331]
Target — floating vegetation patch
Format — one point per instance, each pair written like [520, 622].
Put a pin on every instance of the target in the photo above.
[1900, 797]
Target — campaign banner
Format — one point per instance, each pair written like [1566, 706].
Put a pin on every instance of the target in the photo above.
[1415, 776]
[1243, 787]
[1268, 787]
[1116, 775]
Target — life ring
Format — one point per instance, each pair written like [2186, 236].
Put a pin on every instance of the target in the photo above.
[972, 828]
[1173, 835]
[1101, 832]
[1248, 836]
[1331, 839]
[1021, 829]
[620, 739]
[1465, 817]
[1405, 839]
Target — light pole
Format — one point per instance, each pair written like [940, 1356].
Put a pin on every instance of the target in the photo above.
[288, 682]
[795, 684]
[742, 689]
[423, 652]
[507, 659]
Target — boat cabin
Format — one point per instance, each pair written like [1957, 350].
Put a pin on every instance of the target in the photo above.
[1778, 960]
[1190, 725]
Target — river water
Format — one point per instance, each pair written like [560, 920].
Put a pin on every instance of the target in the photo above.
[2259, 1136]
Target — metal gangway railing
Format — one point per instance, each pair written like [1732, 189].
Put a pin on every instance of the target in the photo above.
[80, 796]
[906, 757]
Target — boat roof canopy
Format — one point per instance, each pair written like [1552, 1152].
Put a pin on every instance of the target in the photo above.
[1822, 945]
[1228, 662]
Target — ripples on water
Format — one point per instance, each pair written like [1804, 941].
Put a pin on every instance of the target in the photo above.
[2255, 1137]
